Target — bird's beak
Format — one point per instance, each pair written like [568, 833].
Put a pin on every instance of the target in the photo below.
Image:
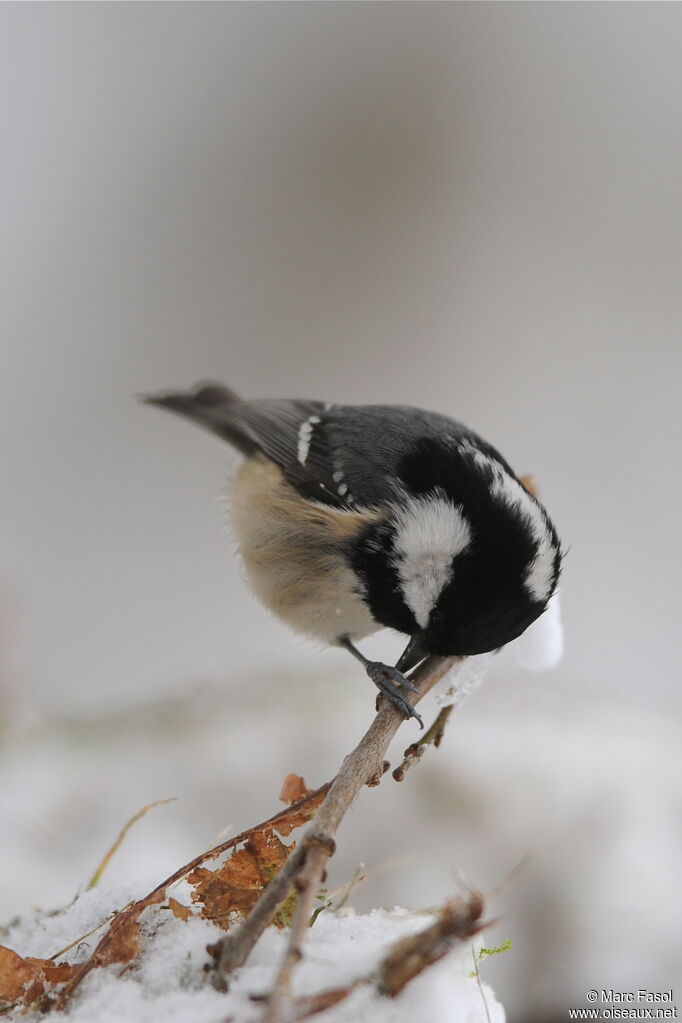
[413, 653]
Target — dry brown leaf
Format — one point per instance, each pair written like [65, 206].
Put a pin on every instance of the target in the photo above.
[120, 943]
[299, 813]
[15, 974]
[178, 910]
[293, 789]
[231, 891]
[264, 856]
[235, 887]
[27, 980]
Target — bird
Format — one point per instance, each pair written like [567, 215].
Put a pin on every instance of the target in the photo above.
[354, 518]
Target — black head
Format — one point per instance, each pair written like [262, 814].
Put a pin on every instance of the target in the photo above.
[468, 560]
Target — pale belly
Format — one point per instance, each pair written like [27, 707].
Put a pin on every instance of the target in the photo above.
[290, 551]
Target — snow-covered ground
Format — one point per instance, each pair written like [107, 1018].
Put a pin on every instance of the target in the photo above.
[169, 983]
[589, 791]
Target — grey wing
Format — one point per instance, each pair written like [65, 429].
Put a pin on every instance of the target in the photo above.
[291, 433]
[372, 451]
[346, 456]
[371, 442]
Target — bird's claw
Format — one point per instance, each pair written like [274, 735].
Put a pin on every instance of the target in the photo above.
[389, 681]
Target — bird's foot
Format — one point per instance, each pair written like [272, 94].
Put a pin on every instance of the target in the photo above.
[389, 681]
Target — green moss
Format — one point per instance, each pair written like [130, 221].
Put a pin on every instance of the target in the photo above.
[483, 952]
[285, 911]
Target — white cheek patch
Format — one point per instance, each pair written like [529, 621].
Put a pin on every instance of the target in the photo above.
[539, 577]
[430, 532]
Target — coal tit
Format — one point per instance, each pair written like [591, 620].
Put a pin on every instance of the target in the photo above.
[354, 518]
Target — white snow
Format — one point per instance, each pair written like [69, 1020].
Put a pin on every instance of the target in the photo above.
[541, 646]
[464, 679]
[529, 765]
[168, 983]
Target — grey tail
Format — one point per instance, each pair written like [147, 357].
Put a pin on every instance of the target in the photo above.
[211, 406]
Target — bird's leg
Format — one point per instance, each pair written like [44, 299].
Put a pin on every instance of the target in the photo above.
[389, 681]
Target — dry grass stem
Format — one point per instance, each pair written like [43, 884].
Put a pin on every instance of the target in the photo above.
[96, 877]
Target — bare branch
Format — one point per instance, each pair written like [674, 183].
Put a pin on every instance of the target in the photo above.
[364, 764]
[432, 737]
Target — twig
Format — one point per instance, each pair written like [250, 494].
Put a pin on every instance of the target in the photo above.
[357, 879]
[232, 951]
[467, 680]
[432, 737]
[363, 764]
[307, 884]
[105, 953]
[458, 920]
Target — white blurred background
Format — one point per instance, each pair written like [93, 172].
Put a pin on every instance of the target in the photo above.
[475, 208]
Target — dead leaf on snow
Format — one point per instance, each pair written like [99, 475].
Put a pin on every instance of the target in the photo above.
[179, 910]
[119, 944]
[27, 980]
[234, 888]
[230, 891]
[224, 894]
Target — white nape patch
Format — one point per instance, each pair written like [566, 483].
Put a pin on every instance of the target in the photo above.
[430, 532]
[305, 435]
[539, 577]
